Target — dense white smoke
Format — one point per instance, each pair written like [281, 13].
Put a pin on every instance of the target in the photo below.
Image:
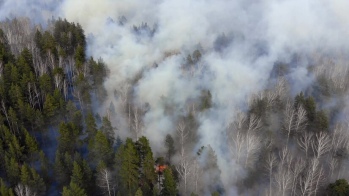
[39, 11]
[260, 33]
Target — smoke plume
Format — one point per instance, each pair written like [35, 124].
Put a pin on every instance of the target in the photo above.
[145, 45]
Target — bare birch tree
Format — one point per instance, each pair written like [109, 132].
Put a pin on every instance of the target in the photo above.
[316, 174]
[320, 144]
[19, 34]
[185, 166]
[305, 183]
[122, 93]
[105, 182]
[283, 179]
[23, 190]
[334, 71]
[301, 119]
[252, 146]
[184, 169]
[289, 118]
[137, 124]
[339, 148]
[320, 178]
[296, 170]
[339, 140]
[244, 137]
[1, 68]
[196, 176]
[34, 95]
[333, 164]
[183, 134]
[65, 89]
[270, 165]
[305, 142]
[235, 133]
[312, 177]
[281, 88]
[236, 145]
[252, 138]
[58, 81]
[4, 111]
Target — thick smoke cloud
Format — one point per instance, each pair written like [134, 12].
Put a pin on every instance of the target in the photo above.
[260, 33]
[37, 10]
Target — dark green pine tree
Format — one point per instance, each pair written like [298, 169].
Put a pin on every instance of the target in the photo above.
[118, 142]
[48, 44]
[22, 110]
[44, 166]
[31, 146]
[68, 140]
[14, 74]
[50, 106]
[5, 136]
[32, 179]
[79, 35]
[139, 192]
[169, 143]
[82, 91]
[37, 183]
[13, 120]
[5, 51]
[310, 107]
[100, 149]
[82, 175]
[70, 110]
[299, 100]
[59, 100]
[15, 95]
[45, 83]
[4, 190]
[127, 162]
[15, 150]
[77, 175]
[38, 40]
[73, 190]
[31, 117]
[25, 175]
[12, 170]
[206, 100]
[98, 71]
[63, 167]
[148, 176]
[3, 89]
[25, 62]
[321, 122]
[79, 58]
[2, 153]
[108, 129]
[212, 172]
[196, 56]
[91, 126]
[215, 193]
[169, 184]
[77, 120]
[39, 120]
[338, 188]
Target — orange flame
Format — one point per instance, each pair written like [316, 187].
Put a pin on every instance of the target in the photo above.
[160, 168]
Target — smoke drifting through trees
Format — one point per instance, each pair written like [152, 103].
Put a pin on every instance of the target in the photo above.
[157, 78]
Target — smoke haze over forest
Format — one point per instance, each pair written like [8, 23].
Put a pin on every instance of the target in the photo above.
[239, 44]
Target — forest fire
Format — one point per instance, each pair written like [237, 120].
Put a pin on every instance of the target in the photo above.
[101, 97]
[160, 168]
